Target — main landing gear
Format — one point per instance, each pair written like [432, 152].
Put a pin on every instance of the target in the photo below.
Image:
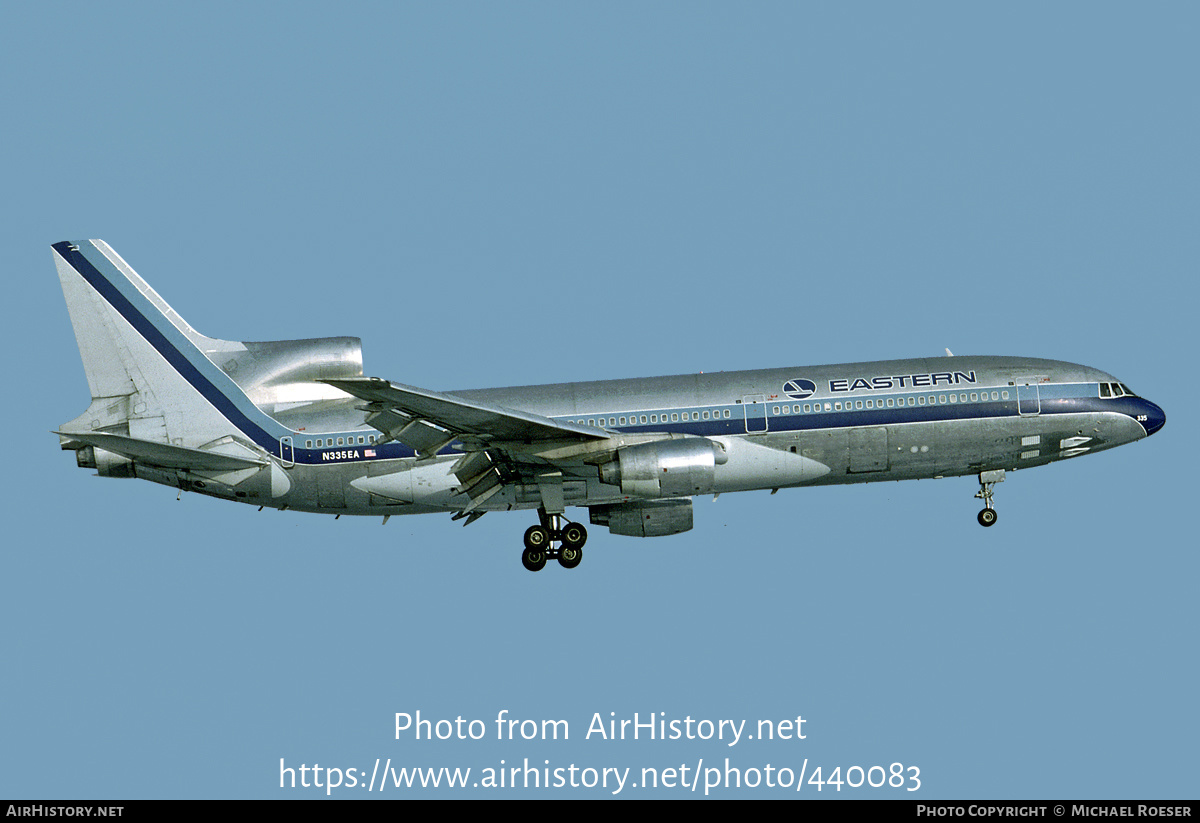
[540, 540]
[987, 517]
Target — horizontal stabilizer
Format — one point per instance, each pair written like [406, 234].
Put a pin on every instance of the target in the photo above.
[163, 454]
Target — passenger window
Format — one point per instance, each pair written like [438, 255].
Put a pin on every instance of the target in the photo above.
[807, 408]
[622, 421]
[674, 417]
[827, 407]
[974, 397]
[643, 418]
[706, 415]
[858, 404]
[837, 406]
[921, 400]
[1004, 393]
[891, 402]
[308, 444]
[942, 398]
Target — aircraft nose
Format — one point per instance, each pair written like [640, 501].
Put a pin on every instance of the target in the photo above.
[1156, 418]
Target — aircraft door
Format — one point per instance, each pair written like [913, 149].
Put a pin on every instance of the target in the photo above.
[755, 408]
[285, 452]
[868, 449]
[1029, 401]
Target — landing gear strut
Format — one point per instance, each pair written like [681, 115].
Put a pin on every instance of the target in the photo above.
[540, 540]
[987, 517]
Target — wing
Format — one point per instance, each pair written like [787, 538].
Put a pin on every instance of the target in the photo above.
[500, 445]
[421, 418]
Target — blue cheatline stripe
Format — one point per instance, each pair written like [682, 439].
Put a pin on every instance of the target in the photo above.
[109, 287]
[898, 415]
[227, 397]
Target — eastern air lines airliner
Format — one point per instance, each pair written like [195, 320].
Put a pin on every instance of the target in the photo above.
[294, 424]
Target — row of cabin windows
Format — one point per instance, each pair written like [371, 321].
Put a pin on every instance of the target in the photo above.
[326, 442]
[809, 408]
[890, 403]
[634, 419]
[717, 414]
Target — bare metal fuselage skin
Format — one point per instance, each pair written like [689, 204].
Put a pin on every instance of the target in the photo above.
[929, 437]
[271, 425]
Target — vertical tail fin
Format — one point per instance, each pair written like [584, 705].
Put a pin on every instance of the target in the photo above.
[147, 369]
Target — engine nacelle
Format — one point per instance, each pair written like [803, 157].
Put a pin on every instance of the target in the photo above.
[289, 371]
[104, 462]
[666, 468]
[653, 518]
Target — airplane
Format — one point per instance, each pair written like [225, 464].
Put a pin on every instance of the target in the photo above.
[295, 424]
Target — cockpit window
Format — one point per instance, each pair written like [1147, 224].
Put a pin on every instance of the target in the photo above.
[1125, 389]
[1105, 390]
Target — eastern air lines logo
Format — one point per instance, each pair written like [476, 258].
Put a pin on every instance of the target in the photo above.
[799, 389]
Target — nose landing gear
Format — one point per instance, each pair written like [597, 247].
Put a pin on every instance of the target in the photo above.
[540, 540]
[987, 517]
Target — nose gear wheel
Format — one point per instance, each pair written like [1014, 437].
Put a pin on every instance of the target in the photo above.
[987, 480]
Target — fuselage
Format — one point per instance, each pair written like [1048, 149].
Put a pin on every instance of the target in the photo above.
[861, 422]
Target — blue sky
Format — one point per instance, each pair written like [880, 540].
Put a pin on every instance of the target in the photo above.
[500, 195]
